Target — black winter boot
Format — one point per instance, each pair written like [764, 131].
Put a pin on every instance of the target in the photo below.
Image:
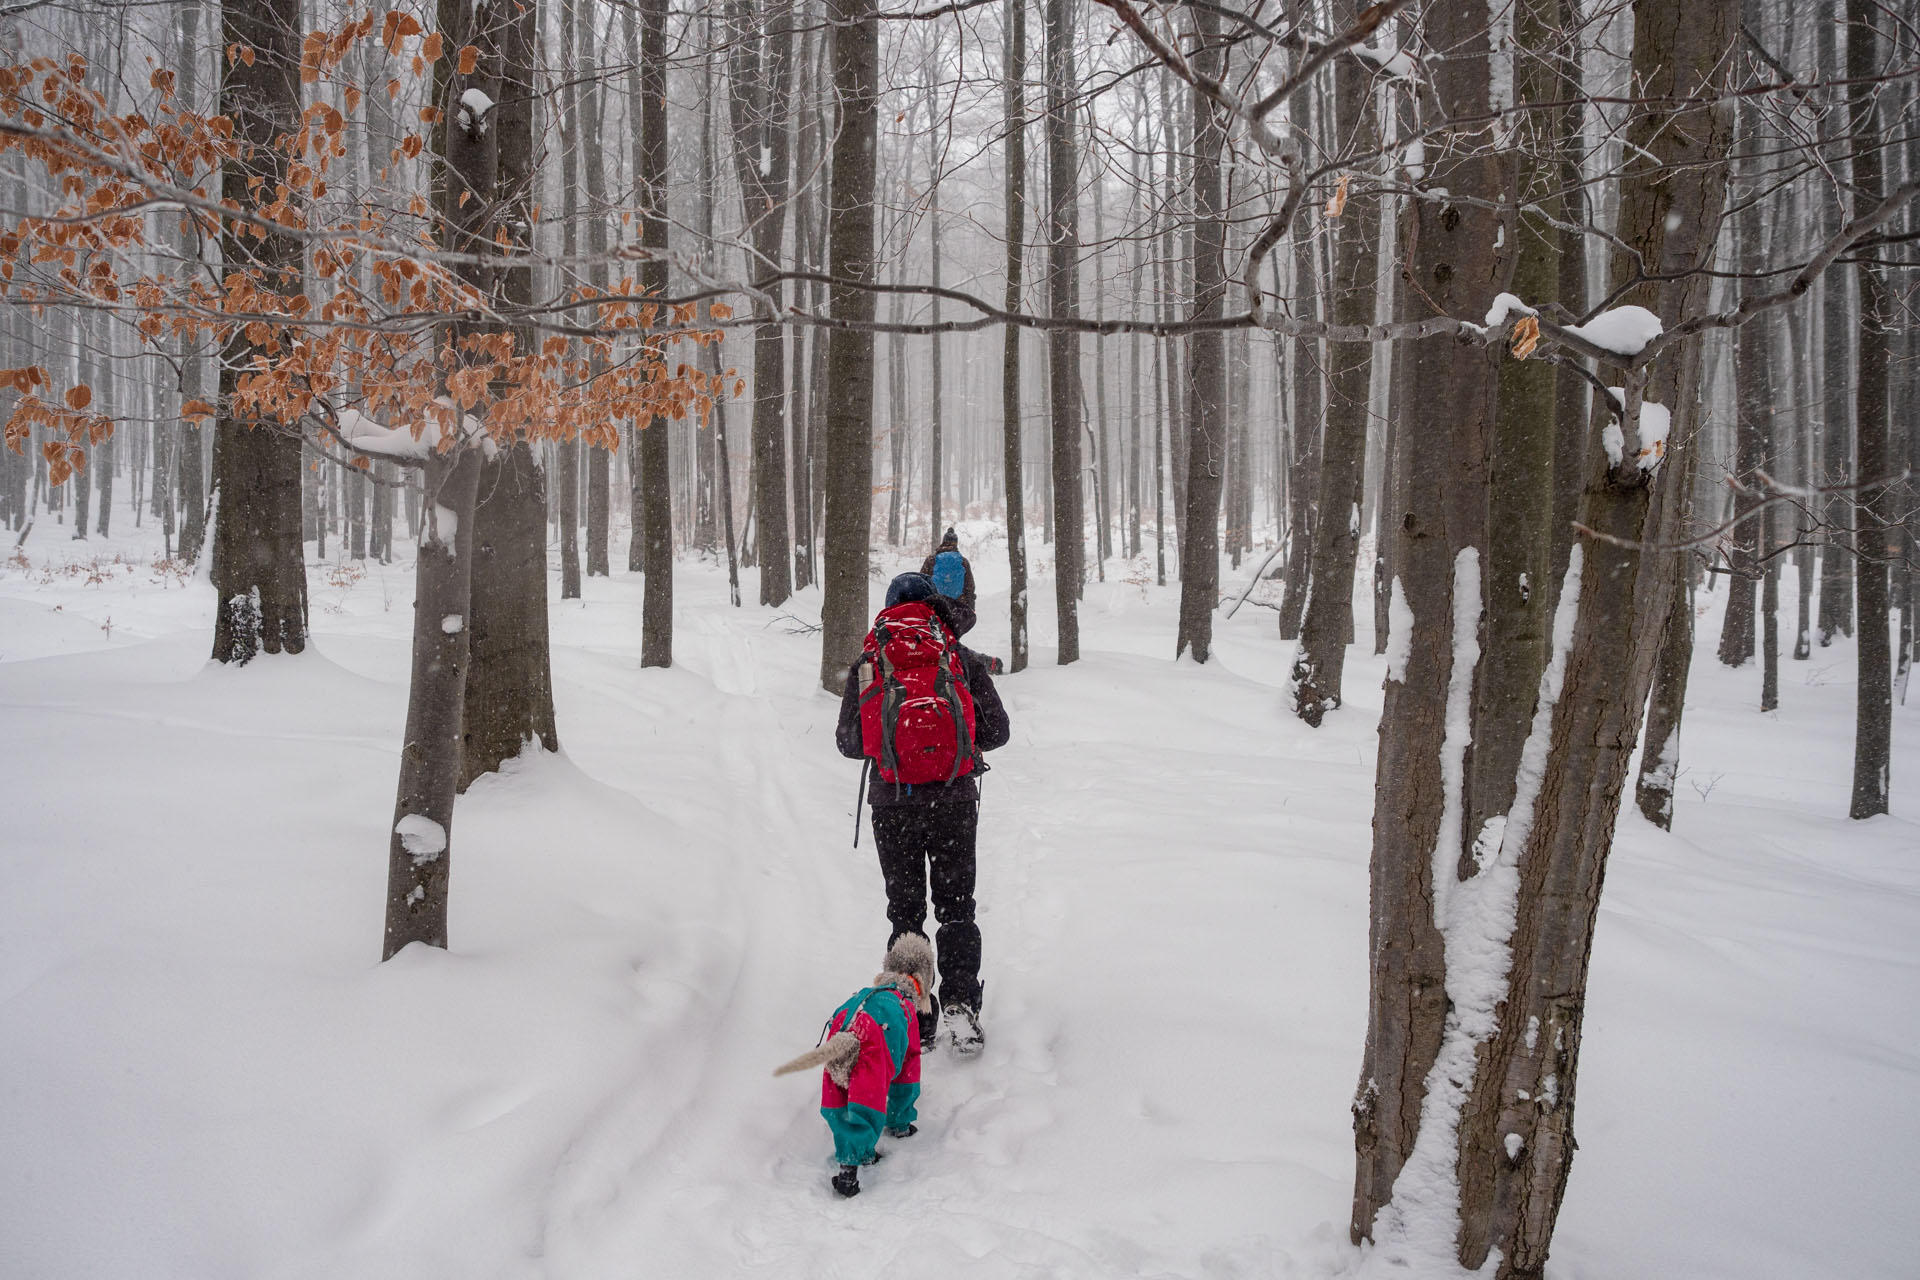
[907, 1132]
[847, 1181]
[929, 1027]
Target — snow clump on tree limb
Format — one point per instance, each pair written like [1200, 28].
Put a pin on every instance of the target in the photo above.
[1505, 305]
[421, 836]
[474, 105]
[1624, 331]
[1656, 423]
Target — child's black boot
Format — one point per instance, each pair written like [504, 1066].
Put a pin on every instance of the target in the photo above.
[847, 1181]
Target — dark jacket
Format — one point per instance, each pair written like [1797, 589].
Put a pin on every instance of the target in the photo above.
[966, 615]
[990, 729]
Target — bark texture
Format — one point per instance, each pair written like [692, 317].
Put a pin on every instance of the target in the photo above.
[509, 692]
[1010, 412]
[1454, 256]
[1063, 345]
[1524, 1083]
[259, 569]
[1873, 531]
[656, 553]
[760, 74]
[1206, 360]
[1327, 626]
[849, 418]
[419, 851]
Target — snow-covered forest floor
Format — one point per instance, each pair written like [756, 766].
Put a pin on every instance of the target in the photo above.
[206, 1074]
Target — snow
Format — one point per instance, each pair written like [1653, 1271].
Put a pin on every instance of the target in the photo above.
[1656, 420]
[1417, 1228]
[1504, 305]
[369, 436]
[453, 624]
[421, 836]
[1531, 774]
[1614, 441]
[211, 1075]
[1622, 330]
[446, 524]
[1513, 1145]
[472, 117]
[1385, 54]
[1414, 159]
[1399, 631]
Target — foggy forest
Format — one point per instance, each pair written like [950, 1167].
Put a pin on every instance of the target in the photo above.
[1425, 491]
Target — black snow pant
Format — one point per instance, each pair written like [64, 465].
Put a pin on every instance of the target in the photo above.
[913, 838]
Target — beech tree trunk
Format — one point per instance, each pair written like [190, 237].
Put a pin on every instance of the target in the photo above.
[1491, 1143]
[849, 418]
[1519, 597]
[1063, 346]
[1660, 762]
[759, 76]
[509, 691]
[1206, 361]
[1321, 658]
[656, 610]
[1454, 256]
[187, 479]
[566, 454]
[593, 160]
[419, 849]
[259, 569]
[1304, 460]
[1753, 400]
[1838, 323]
[1010, 398]
[1873, 536]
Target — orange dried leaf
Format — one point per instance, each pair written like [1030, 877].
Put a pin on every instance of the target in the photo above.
[469, 59]
[1337, 202]
[1526, 336]
[79, 397]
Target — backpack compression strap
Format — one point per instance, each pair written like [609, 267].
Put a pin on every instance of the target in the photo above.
[892, 693]
[964, 749]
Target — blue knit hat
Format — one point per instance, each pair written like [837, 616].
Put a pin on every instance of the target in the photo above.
[910, 587]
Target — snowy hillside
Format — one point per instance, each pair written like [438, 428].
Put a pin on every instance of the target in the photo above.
[207, 1074]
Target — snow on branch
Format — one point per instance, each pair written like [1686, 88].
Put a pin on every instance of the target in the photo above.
[411, 445]
[1625, 331]
[1654, 425]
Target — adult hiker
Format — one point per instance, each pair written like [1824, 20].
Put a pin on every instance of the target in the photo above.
[921, 707]
[952, 576]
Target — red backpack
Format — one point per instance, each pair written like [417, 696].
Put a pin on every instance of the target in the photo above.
[916, 712]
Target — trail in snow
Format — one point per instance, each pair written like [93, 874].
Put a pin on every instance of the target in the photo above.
[219, 1080]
